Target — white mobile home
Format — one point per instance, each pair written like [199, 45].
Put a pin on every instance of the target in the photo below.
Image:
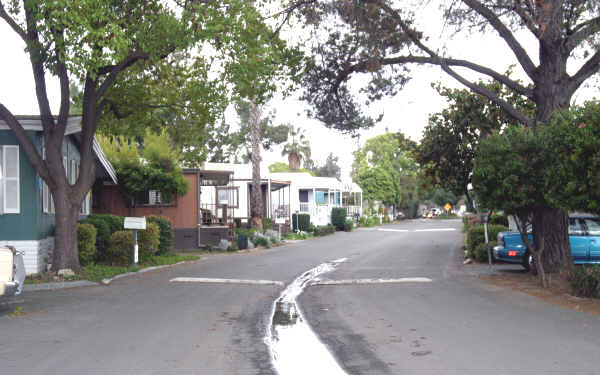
[316, 196]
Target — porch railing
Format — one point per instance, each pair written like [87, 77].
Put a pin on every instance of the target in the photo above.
[281, 212]
[212, 214]
[305, 207]
[353, 210]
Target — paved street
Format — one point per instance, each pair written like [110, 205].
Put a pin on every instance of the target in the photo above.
[455, 324]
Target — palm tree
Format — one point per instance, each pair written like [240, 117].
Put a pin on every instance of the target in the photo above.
[297, 149]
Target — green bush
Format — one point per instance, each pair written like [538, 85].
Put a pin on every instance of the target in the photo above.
[586, 281]
[166, 233]
[114, 222]
[363, 221]
[120, 248]
[348, 226]
[102, 235]
[498, 219]
[148, 241]
[238, 222]
[323, 230]
[267, 223]
[301, 222]
[86, 243]
[480, 253]
[386, 219]
[373, 221]
[338, 217]
[242, 240]
[261, 241]
[476, 237]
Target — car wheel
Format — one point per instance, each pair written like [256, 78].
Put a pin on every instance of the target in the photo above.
[527, 261]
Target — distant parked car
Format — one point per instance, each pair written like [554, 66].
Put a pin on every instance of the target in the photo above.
[584, 238]
[12, 272]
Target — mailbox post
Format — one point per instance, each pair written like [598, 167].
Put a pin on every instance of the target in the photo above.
[135, 223]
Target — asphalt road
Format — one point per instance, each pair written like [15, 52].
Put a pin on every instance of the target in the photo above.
[457, 324]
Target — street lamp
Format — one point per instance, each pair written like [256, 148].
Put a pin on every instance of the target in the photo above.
[484, 213]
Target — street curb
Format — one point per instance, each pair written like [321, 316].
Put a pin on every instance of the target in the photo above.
[108, 281]
[57, 285]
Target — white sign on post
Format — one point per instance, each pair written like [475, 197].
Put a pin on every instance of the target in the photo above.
[135, 223]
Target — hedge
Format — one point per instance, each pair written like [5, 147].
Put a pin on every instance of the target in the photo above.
[166, 233]
[476, 237]
[301, 222]
[338, 217]
[102, 235]
[86, 243]
[498, 219]
[120, 249]
[267, 223]
[586, 281]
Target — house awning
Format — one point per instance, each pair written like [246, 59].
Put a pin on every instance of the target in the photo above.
[211, 178]
[278, 185]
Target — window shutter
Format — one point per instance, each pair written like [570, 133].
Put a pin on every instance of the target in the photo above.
[12, 186]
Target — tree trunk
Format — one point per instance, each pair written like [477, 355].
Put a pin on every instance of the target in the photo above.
[550, 232]
[293, 161]
[65, 253]
[256, 203]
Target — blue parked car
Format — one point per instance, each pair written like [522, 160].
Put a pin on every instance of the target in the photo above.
[584, 238]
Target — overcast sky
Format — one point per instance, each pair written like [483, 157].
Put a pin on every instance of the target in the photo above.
[407, 112]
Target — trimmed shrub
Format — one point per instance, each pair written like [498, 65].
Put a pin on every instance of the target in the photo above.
[166, 233]
[323, 230]
[498, 219]
[586, 281]
[261, 241]
[148, 241]
[301, 222]
[348, 226]
[476, 237]
[102, 236]
[338, 217]
[267, 223]
[480, 253]
[114, 222]
[86, 243]
[120, 248]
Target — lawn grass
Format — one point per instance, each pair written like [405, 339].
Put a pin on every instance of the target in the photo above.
[99, 272]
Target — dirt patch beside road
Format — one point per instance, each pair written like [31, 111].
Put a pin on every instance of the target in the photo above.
[557, 294]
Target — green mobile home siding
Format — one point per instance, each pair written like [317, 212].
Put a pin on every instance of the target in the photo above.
[32, 223]
[21, 226]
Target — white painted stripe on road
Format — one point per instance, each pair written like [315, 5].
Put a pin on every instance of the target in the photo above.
[392, 230]
[224, 281]
[374, 281]
[436, 230]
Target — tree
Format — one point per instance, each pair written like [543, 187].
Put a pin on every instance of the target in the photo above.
[226, 145]
[450, 140]
[385, 170]
[380, 39]
[297, 149]
[442, 196]
[330, 168]
[156, 167]
[122, 50]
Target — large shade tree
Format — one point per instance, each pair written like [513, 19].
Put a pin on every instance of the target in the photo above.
[380, 39]
[124, 49]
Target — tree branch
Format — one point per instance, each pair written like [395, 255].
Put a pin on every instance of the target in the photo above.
[36, 57]
[505, 34]
[12, 23]
[513, 85]
[26, 142]
[527, 20]
[588, 69]
[114, 70]
[583, 31]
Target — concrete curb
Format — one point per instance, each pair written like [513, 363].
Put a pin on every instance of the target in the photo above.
[57, 285]
[108, 281]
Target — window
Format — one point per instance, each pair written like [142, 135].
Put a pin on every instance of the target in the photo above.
[320, 197]
[575, 228]
[9, 180]
[228, 196]
[151, 198]
[593, 226]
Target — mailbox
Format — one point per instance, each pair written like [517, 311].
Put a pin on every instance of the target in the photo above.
[135, 223]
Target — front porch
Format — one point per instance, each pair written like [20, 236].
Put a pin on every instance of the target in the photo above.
[318, 203]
